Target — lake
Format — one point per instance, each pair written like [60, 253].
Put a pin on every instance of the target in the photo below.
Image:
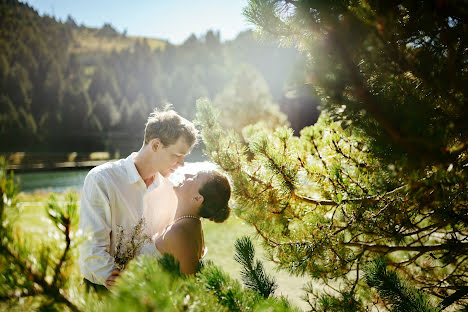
[59, 181]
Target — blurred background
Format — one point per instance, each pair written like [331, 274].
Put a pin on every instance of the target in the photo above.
[79, 89]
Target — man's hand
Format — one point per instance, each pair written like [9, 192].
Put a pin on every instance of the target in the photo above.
[111, 279]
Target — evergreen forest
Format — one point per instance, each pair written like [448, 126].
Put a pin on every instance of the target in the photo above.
[69, 88]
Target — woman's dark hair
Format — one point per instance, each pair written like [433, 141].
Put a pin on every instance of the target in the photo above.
[216, 193]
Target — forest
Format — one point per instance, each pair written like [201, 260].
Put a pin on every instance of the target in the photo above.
[69, 88]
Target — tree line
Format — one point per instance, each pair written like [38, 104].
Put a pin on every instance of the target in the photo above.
[56, 98]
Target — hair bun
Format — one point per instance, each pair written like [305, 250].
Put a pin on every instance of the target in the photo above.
[221, 214]
[216, 193]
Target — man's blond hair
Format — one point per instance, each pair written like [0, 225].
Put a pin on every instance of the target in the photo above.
[168, 126]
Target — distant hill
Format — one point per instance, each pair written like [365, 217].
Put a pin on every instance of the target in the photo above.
[91, 40]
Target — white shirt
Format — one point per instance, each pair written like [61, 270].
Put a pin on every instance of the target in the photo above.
[113, 195]
[159, 207]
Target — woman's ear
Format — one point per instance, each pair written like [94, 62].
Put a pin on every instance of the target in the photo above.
[198, 200]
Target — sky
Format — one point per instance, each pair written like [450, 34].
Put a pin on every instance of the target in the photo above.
[173, 20]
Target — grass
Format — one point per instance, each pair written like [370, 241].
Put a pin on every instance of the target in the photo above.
[219, 238]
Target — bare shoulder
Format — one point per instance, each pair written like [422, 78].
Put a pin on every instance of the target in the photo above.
[183, 241]
[183, 232]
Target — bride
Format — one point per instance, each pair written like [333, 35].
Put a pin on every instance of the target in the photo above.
[202, 195]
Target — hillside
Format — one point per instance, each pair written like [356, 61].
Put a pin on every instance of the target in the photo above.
[90, 40]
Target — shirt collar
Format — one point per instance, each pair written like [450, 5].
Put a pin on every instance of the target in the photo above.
[133, 175]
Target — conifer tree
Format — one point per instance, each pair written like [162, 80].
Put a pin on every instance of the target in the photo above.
[247, 90]
[383, 172]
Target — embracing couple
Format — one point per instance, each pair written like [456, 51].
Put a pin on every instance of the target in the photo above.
[119, 194]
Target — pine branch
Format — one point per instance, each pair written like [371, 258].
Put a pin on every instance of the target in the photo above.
[253, 273]
[324, 202]
[170, 264]
[39, 283]
[363, 94]
[391, 288]
[62, 218]
[457, 295]
[48, 290]
[340, 151]
[388, 249]
[64, 254]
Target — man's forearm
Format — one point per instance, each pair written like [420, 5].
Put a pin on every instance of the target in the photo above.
[96, 264]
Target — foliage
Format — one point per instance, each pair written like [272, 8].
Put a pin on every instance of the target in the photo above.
[35, 274]
[384, 67]
[403, 297]
[147, 285]
[393, 75]
[325, 205]
[325, 301]
[253, 274]
[248, 90]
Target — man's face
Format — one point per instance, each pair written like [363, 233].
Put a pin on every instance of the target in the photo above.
[172, 157]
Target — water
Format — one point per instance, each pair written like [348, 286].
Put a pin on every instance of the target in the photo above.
[53, 181]
[59, 181]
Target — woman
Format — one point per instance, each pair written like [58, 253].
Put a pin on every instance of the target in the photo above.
[203, 195]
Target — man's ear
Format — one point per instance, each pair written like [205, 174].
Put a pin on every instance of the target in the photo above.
[156, 144]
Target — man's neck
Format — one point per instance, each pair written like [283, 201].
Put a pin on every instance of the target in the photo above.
[143, 166]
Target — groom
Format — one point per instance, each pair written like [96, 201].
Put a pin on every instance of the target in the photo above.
[113, 193]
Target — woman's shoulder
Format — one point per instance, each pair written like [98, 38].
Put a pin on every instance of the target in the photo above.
[181, 237]
[182, 228]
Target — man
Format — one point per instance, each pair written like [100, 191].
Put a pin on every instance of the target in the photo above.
[113, 192]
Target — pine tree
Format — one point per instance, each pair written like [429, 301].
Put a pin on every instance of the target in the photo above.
[247, 90]
[383, 172]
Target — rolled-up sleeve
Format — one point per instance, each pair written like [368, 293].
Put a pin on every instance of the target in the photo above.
[95, 261]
